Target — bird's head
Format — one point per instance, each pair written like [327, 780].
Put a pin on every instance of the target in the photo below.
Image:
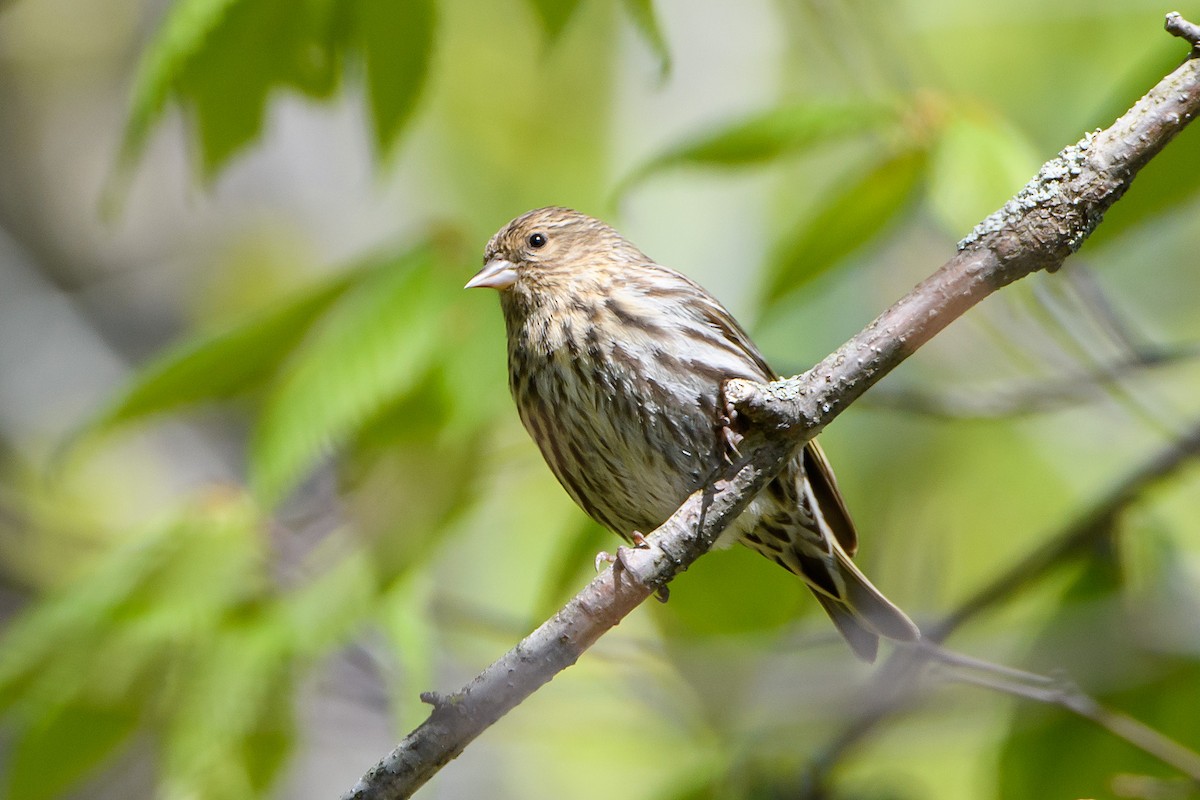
[553, 249]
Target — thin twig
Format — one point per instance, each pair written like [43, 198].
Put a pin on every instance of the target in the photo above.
[1043, 689]
[1091, 525]
[1031, 397]
[958, 664]
[1055, 304]
[1086, 288]
[893, 686]
[1046, 222]
[1189, 31]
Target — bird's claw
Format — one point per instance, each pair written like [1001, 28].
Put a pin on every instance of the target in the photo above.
[729, 442]
[726, 417]
[602, 558]
[640, 542]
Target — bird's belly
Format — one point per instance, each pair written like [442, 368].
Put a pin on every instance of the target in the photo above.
[651, 465]
[627, 454]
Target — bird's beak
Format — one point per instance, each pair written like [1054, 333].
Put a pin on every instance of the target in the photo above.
[496, 274]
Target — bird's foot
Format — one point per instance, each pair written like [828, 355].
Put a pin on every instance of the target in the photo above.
[729, 439]
[618, 560]
[639, 542]
[662, 593]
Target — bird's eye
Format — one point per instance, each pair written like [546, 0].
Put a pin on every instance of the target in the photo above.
[537, 240]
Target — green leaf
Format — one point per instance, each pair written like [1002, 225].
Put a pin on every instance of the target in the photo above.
[787, 130]
[261, 45]
[373, 347]
[184, 32]
[851, 217]
[165, 631]
[397, 44]
[53, 755]
[979, 162]
[266, 746]
[213, 563]
[222, 58]
[646, 22]
[554, 15]
[224, 364]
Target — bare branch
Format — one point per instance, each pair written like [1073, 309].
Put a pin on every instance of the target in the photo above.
[1093, 524]
[894, 684]
[1029, 397]
[1189, 31]
[1043, 689]
[1049, 219]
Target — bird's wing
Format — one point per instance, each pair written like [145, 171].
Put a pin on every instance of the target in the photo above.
[825, 492]
[816, 467]
[715, 315]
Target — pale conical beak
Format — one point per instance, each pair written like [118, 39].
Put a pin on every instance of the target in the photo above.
[496, 274]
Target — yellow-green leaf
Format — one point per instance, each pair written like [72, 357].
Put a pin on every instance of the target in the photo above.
[554, 15]
[641, 12]
[224, 364]
[184, 32]
[780, 131]
[53, 755]
[397, 42]
[221, 59]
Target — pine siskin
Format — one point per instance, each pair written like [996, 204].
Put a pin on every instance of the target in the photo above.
[616, 364]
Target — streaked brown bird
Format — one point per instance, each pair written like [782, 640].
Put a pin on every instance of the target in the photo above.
[616, 364]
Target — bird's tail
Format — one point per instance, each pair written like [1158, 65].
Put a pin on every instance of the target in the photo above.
[860, 611]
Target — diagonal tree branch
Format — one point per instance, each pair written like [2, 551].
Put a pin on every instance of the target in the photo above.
[1047, 221]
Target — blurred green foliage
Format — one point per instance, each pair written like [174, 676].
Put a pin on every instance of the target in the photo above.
[223, 59]
[382, 491]
[174, 631]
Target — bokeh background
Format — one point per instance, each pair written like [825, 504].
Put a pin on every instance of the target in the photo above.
[261, 482]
